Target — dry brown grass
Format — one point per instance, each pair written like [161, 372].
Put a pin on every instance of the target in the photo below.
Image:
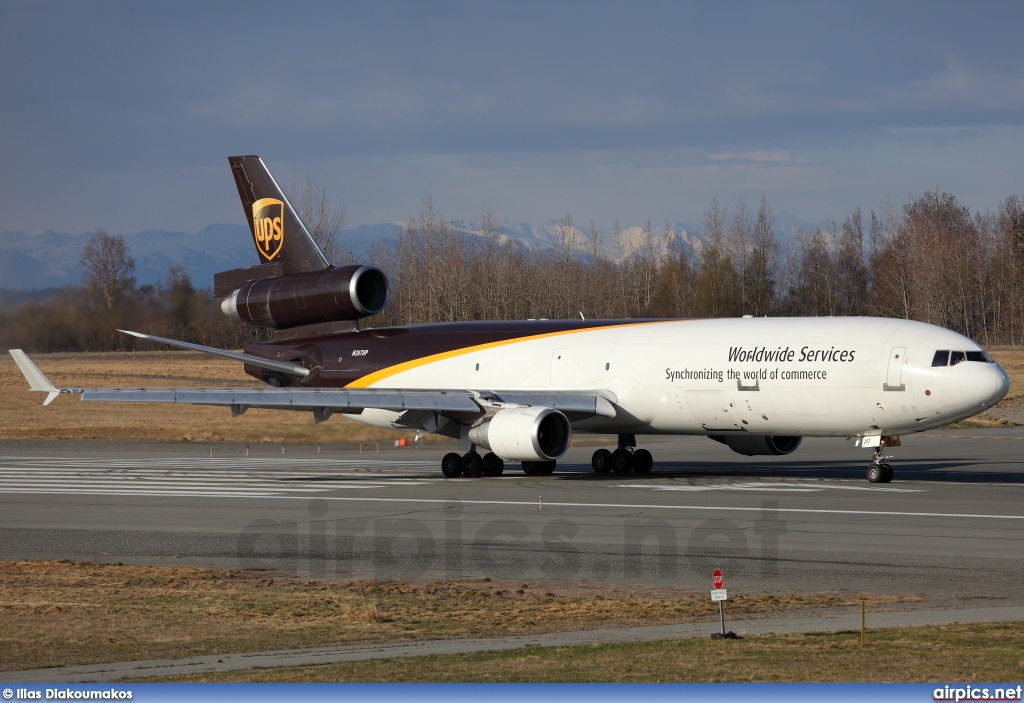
[61, 614]
[964, 653]
[1012, 360]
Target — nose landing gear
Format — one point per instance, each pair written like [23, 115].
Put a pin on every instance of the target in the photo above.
[879, 471]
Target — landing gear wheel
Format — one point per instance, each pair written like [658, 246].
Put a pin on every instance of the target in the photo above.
[601, 462]
[621, 461]
[493, 465]
[546, 468]
[641, 462]
[530, 468]
[472, 465]
[451, 465]
[880, 471]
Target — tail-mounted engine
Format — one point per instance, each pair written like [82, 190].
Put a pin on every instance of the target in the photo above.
[338, 294]
[524, 434]
[759, 445]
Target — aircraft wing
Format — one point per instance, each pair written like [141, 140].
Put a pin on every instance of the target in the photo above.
[323, 402]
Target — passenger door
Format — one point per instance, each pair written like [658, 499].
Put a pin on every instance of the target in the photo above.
[894, 374]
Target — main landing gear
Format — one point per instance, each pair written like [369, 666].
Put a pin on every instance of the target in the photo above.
[472, 465]
[539, 468]
[624, 459]
[879, 471]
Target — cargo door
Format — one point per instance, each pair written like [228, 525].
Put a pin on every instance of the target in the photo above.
[711, 408]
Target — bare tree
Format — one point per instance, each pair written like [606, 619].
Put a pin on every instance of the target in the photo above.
[566, 239]
[849, 266]
[814, 290]
[715, 281]
[178, 282]
[108, 268]
[674, 295]
[181, 295]
[762, 264]
[642, 267]
[323, 219]
[892, 265]
[738, 239]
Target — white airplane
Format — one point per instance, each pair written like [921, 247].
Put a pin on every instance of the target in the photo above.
[520, 389]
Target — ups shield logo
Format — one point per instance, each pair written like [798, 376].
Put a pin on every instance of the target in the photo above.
[268, 227]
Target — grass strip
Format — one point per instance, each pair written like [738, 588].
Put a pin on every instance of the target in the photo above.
[64, 614]
[963, 653]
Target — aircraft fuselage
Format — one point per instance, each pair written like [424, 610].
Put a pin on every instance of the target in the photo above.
[762, 376]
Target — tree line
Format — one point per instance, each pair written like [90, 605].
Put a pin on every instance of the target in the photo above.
[930, 259]
[87, 317]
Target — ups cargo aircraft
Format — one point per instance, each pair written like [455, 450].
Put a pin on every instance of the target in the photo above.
[516, 391]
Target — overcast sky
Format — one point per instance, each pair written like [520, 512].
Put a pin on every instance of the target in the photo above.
[121, 114]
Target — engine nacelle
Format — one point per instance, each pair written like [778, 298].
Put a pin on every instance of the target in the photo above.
[341, 294]
[759, 445]
[524, 434]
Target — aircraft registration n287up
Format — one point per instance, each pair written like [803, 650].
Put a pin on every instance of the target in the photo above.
[518, 390]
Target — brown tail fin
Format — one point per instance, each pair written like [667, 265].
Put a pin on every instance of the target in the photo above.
[279, 235]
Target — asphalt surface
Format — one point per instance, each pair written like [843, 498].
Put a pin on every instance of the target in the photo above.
[951, 524]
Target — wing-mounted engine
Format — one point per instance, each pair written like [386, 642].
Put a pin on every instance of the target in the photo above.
[524, 434]
[339, 294]
[759, 445]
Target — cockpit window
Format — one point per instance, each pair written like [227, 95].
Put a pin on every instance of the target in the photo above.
[944, 357]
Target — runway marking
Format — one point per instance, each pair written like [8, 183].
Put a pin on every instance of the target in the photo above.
[815, 511]
[236, 462]
[769, 487]
[241, 477]
[966, 436]
[550, 504]
[630, 506]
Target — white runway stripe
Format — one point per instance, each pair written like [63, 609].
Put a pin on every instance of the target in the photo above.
[203, 477]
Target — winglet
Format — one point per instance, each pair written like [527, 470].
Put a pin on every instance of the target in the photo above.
[37, 381]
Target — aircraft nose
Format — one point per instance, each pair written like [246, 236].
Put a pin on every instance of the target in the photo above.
[992, 384]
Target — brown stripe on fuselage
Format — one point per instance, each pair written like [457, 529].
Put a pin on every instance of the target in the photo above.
[361, 358]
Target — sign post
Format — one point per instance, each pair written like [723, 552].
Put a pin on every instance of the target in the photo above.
[720, 595]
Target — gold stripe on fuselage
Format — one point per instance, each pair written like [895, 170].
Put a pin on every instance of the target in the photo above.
[378, 376]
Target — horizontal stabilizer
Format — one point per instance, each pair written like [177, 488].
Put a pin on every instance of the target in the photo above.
[226, 282]
[282, 366]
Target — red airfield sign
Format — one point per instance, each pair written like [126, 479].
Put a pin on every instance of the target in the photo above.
[716, 579]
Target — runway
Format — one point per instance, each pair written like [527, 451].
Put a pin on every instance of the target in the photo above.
[951, 524]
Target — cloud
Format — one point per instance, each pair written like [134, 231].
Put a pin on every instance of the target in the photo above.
[760, 156]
